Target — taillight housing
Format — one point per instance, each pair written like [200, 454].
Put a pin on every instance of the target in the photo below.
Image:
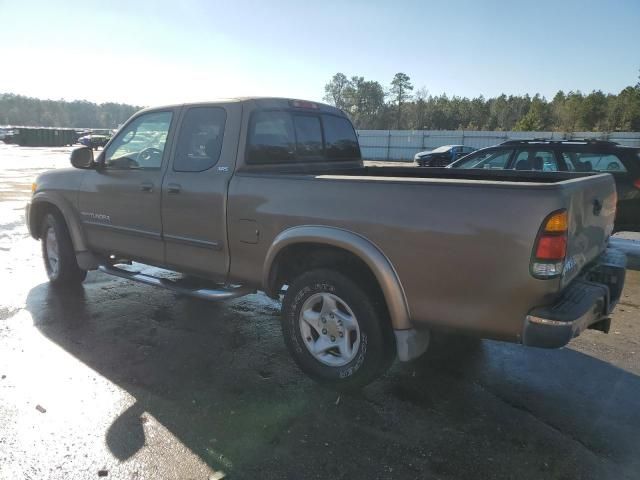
[636, 183]
[550, 249]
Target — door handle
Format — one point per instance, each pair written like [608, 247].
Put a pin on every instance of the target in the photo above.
[146, 187]
[173, 188]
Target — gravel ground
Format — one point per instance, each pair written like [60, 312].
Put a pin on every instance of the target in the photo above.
[120, 380]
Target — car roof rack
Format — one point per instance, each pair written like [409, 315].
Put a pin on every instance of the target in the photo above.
[591, 141]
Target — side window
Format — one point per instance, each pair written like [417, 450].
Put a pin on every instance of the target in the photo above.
[271, 138]
[340, 138]
[308, 136]
[593, 162]
[200, 139]
[488, 159]
[538, 160]
[140, 144]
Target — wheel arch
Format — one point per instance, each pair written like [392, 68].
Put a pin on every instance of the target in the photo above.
[44, 203]
[350, 243]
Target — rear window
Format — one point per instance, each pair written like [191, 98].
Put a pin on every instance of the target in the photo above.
[593, 162]
[340, 138]
[271, 138]
[308, 136]
[284, 137]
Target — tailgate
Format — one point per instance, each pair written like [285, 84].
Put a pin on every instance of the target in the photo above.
[591, 206]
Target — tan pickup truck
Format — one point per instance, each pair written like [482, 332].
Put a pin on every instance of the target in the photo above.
[271, 194]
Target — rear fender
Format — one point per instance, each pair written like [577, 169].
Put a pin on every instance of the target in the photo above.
[377, 262]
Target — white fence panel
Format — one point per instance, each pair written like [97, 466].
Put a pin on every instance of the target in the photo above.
[402, 145]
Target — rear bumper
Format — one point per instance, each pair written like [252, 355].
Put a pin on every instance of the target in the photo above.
[586, 302]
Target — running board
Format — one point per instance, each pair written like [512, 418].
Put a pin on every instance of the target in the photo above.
[226, 292]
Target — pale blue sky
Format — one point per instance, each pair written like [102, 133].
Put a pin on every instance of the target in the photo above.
[148, 53]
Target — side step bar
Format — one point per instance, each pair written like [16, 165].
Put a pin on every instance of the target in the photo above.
[224, 293]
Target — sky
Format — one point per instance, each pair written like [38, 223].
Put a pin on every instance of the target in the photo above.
[156, 52]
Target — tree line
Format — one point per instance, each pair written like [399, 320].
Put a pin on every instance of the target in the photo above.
[27, 111]
[399, 106]
[371, 106]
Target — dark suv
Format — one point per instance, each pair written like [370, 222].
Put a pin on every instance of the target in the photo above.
[573, 156]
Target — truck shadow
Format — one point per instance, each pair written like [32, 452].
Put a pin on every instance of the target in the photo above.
[218, 377]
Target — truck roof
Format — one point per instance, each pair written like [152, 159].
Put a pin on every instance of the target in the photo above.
[263, 102]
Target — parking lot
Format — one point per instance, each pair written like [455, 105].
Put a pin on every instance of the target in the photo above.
[121, 380]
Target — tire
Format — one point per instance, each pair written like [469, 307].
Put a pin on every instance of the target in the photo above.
[58, 254]
[354, 341]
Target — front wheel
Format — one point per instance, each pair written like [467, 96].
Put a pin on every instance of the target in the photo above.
[58, 254]
[335, 331]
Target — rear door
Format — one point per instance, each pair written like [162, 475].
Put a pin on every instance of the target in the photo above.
[194, 191]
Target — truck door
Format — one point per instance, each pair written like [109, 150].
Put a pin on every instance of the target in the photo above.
[194, 190]
[119, 204]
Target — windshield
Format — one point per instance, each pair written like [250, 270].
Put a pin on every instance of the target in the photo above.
[444, 148]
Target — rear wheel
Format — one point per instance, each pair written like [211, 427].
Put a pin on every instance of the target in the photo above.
[335, 331]
[58, 254]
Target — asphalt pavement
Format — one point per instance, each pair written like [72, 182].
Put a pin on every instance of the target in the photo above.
[121, 380]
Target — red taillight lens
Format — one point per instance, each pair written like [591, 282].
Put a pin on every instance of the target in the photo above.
[551, 247]
[636, 183]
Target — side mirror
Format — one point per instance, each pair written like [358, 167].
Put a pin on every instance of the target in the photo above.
[82, 157]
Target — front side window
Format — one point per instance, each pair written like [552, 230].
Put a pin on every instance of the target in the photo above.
[593, 162]
[538, 160]
[140, 144]
[487, 159]
[200, 139]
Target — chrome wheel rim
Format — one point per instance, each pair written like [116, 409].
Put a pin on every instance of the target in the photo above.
[329, 329]
[53, 256]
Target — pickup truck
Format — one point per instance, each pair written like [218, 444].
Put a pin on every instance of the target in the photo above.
[272, 194]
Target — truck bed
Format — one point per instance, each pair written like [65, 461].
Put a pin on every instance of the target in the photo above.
[443, 230]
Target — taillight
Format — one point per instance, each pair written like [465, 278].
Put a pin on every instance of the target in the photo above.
[550, 249]
[636, 183]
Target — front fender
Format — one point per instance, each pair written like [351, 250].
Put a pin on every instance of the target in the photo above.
[45, 198]
[356, 244]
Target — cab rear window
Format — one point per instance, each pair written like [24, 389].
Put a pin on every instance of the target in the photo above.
[340, 138]
[286, 137]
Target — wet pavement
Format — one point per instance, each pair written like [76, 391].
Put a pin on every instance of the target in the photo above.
[121, 380]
